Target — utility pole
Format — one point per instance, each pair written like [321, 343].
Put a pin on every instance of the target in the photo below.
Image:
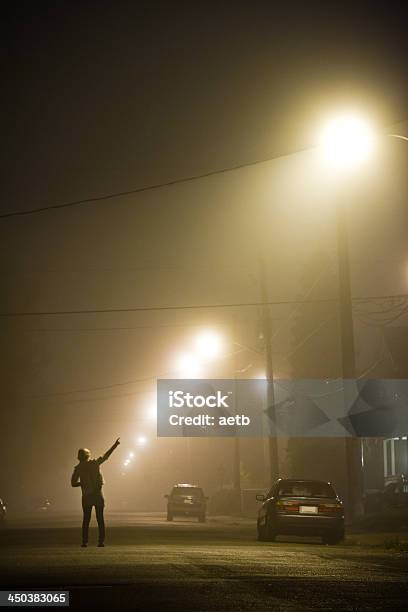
[237, 472]
[236, 475]
[267, 337]
[353, 445]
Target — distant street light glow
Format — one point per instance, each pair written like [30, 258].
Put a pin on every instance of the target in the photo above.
[151, 413]
[347, 140]
[208, 344]
[187, 366]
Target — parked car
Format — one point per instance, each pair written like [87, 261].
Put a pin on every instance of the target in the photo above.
[39, 504]
[3, 511]
[186, 500]
[301, 507]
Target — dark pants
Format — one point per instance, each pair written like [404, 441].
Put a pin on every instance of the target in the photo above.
[88, 501]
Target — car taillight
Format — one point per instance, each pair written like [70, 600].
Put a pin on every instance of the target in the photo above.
[335, 508]
[287, 506]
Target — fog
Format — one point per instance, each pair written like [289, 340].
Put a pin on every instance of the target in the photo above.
[136, 113]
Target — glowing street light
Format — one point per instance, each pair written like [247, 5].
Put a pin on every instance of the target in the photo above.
[208, 344]
[188, 366]
[151, 413]
[347, 140]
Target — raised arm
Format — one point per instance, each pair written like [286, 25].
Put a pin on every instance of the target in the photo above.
[109, 452]
[75, 479]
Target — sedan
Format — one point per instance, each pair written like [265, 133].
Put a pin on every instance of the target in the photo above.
[301, 507]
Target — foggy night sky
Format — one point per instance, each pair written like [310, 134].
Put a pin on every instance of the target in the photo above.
[105, 97]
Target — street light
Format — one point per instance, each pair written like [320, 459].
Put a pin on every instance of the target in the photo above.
[151, 413]
[347, 141]
[208, 344]
[188, 366]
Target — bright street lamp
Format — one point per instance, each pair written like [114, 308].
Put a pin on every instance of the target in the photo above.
[188, 366]
[347, 140]
[208, 344]
[151, 413]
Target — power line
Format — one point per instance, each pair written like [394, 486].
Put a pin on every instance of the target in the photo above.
[384, 310]
[124, 269]
[298, 346]
[128, 382]
[165, 375]
[152, 187]
[155, 186]
[197, 306]
[306, 294]
[106, 329]
[371, 298]
[160, 268]
[373, 322]
[160, 308]
[106, 397]
[90, 389]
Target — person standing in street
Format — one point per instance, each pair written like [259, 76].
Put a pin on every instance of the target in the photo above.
[88, 476]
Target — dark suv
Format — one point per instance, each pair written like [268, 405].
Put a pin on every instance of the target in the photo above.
[301, 507]
[186, 500]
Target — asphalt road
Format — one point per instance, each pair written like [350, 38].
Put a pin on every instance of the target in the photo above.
[151, 564]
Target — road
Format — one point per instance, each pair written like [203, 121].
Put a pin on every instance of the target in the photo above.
[149, 563]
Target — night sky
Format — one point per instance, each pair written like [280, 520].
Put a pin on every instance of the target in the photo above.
[106, 97]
